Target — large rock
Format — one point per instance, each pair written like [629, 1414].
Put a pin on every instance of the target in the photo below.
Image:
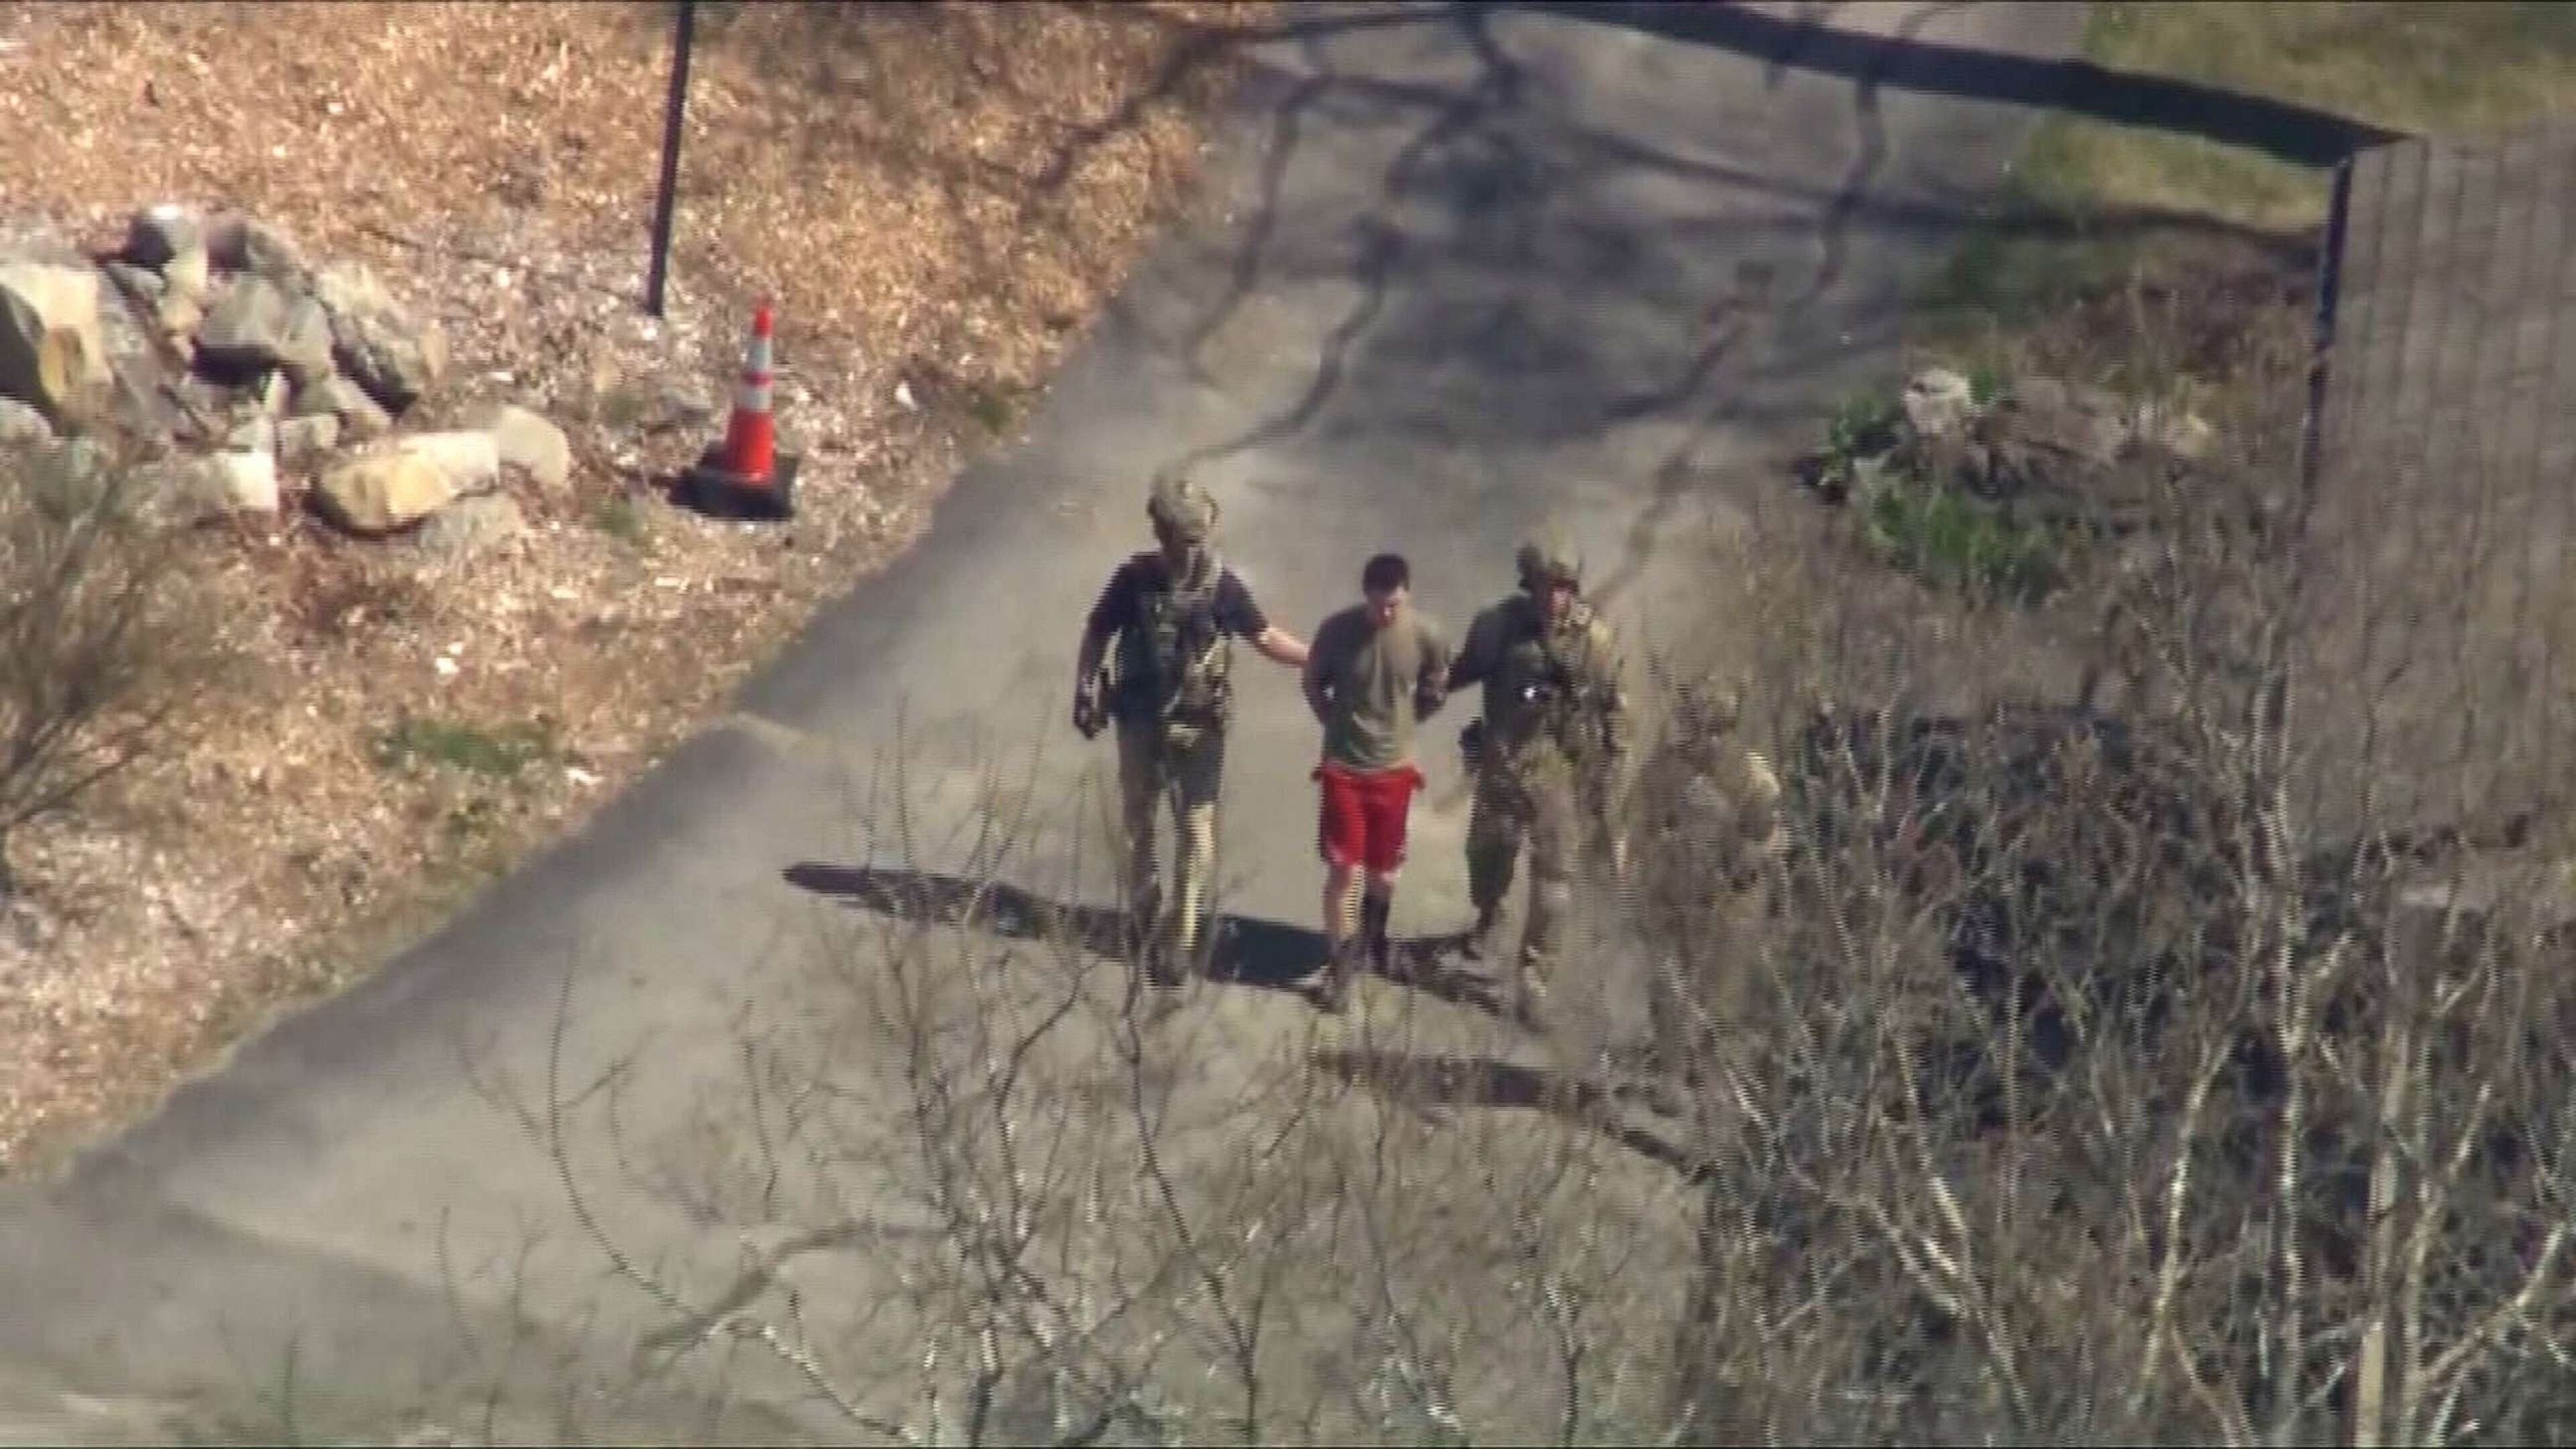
[379, 493]
[239, 243]
[77, 475]
[259, 435]
[139, 403]
[375, 340]
[360, 418]
[213, 407]
[1938, 401]
[207, 488]
[302, 439]
[158, 233]
[21, 426]
[141, 283]
[188, 276]
[306, 357]
[126, 338]
[259, 326]
[243, 480]
[527, 442]
[470, 526]
[401, 481]
[471, 461]
[51, 349]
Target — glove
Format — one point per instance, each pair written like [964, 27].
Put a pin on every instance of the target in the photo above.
[1087, 717]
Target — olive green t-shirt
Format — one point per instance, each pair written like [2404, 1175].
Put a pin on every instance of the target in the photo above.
[1368, 686]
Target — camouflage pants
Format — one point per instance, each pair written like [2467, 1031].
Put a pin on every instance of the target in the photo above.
[1153, 775]
[1515, 805]
[1707, 938]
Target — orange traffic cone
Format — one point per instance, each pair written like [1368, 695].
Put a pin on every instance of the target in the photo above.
[745, 475]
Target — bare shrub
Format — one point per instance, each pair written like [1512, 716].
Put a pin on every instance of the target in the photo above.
[2102, 1092]
[103, 631]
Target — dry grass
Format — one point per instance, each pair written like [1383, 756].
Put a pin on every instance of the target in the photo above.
[2459, 68]
[937, 196]
[2408, 67]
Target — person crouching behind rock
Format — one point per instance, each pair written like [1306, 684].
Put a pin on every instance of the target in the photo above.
[1375, 670]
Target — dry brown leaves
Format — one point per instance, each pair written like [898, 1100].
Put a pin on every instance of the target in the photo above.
[937, 195]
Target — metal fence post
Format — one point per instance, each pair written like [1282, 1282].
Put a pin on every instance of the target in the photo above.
[660, 268]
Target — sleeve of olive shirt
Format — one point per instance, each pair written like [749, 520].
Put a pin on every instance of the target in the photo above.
[1237, 611]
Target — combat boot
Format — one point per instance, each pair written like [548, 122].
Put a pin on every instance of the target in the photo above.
[1157, 951]
[1140, 930]
[1485, 936]
[1164, 961]
[1153, 988]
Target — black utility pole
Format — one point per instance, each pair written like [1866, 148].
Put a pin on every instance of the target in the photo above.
[661, 265]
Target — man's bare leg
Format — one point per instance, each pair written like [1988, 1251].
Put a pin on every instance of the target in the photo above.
[1341, 901]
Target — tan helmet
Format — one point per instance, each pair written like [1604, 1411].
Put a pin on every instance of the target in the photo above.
[1178, 505]
[1549, 556]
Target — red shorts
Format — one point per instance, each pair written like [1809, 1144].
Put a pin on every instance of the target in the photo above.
[1363, 815]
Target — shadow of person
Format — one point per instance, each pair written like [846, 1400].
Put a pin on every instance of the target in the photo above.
[1241, 950]
[996, 906]
[1453, 1081]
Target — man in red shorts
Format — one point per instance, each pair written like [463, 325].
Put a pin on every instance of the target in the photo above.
[1374, 670]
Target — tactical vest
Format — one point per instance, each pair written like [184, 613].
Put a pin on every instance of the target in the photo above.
[1546, 686]
[1174, 661]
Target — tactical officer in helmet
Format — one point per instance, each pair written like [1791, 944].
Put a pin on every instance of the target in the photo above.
[1173, 611]
[1711, 827]
[1546, 752]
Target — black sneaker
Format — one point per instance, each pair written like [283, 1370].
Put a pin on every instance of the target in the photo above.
[1331, 989]
[1159, 963]
[1332, 994]
[1374, 911]
[1479, 944]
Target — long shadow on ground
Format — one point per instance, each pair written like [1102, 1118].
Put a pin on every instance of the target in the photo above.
[1455, 1081]
[2306, 135]
[1274, 956]
[1242, 950]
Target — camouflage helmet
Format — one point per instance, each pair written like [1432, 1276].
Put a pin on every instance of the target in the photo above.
[1180, 506]
[1549, 556]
